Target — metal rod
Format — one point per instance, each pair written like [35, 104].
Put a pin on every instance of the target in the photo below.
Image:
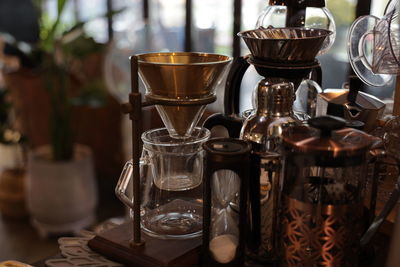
[396, 99]
[363, 7]
[110, 20]
[134, 74]
[237, 20]
[146, 12]
[135, 99]
[295, 17]
[188, 26]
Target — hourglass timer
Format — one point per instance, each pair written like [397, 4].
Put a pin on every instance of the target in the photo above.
[225, 196]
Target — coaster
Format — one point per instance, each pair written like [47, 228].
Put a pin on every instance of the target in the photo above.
[76, 253]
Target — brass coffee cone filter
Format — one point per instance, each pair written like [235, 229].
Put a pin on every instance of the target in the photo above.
[180, 76]
[180, 120]
[285, 44]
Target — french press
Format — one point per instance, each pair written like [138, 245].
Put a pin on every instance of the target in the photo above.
[322, 213]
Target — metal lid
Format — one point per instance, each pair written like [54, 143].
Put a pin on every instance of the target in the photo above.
[275, 96]
[227, 149]
[327, 136]
[359, 125]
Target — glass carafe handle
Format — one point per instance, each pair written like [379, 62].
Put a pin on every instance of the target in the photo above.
[122, 185]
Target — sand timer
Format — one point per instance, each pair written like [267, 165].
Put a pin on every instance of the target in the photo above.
[225, 197]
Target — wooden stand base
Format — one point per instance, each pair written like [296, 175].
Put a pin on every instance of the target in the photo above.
[115, 244]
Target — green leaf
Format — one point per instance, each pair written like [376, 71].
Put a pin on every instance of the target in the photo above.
[49, 39]
[60, 6]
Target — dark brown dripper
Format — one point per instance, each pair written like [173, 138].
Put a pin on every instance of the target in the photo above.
[285, 45]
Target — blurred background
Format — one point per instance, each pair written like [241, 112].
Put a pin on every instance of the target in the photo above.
[64, 73]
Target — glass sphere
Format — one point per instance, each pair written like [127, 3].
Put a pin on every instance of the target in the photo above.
[310, 17]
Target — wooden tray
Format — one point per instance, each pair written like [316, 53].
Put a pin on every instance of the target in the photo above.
[114, 244]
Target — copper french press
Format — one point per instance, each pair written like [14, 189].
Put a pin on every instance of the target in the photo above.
[322, 202]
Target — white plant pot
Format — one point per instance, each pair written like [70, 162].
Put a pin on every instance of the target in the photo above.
[11, 156]
[61, 195]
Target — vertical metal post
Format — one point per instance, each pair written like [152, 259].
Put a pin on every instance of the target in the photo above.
[363, 7]
[295, 17]
[396, 100]
[135, 99]
[146, 12]
[237, 20]
[396, 97]
[110, 20]
[188, 26]
[394, 256]
[146, 21]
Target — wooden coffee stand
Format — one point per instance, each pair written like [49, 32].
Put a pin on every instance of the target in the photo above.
[144, 250]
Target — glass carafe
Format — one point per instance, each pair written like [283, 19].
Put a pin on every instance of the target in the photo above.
[171, 184]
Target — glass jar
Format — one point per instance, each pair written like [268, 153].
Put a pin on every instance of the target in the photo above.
[299, 13]
[171, 184]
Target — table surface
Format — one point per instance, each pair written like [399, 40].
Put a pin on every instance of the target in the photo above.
[375, 256]
[19, 240]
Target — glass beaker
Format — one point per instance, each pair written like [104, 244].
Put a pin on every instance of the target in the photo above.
[303, 14]
[171, 172]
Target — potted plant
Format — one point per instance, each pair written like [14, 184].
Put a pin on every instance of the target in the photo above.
[61, 192]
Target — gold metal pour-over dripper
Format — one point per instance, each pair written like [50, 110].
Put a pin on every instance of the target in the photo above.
[175, 79]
